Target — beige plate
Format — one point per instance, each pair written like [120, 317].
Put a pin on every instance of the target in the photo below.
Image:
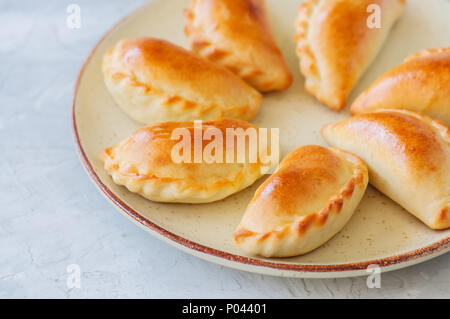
[380, 232]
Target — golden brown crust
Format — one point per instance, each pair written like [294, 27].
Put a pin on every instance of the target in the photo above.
[442, 218]
[154, 80]
[419, 84]
[335, 45]
[408, 157]
[304, 203]
[238, 35]
[427, 53]
[145, 164]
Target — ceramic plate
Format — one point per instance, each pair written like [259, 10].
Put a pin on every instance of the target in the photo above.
[380, 232]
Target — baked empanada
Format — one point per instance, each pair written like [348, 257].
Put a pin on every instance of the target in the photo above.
[336, 44]
[162, 163]
[304, 203]
[153, 81]
[420, 84]
[408, 156]
[238, 35]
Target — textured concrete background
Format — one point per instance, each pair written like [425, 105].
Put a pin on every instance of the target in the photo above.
[52, 215]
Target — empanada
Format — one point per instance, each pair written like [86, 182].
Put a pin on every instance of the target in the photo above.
[153, 81]
[336, 43]
[408, 156]
[420, 84]
[304, 203]
[151, 162]
[238, 35]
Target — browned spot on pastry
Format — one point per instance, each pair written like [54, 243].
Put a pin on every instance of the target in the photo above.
[165, 70]
[200, 43]
[253, 10]
[443, 52]
[406, 135]
[171, 99]
[264, 236]
[188, 13]
[301, 178]
[105, 153]
[336, 205]
[241, 233]
[216, 54]
[117, 75]
[188, 104]
[303, 225]
[350, 187]
[443, 218]
[322, 217]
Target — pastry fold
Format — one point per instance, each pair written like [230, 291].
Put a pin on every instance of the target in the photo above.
[304, 203]
[335, 44]
[238, 35]
[180, 162]
[408, 156]
[154, 81]
[420, 84]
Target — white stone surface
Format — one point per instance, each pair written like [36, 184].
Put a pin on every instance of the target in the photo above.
[52, 215]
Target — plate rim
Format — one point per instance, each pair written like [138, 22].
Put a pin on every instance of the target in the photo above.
[386, 263]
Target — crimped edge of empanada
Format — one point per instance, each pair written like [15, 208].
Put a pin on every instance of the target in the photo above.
[308, 62]
[164, 98]
[178, 190]
[248, 72]
[213, 53]
[174, 107]
[258, 243]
